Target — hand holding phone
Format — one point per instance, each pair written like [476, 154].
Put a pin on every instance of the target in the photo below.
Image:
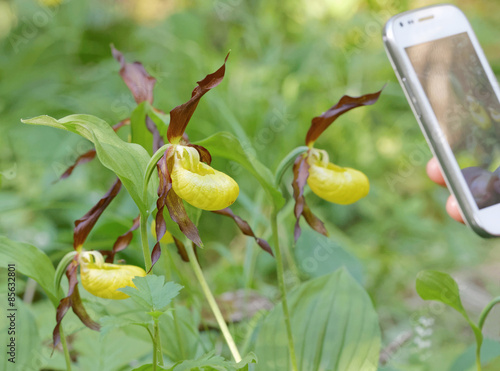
[435, 174]
[455, 98]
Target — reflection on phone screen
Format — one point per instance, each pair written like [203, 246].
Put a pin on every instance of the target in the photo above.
[466, 107]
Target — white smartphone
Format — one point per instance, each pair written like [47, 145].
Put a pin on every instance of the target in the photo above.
[455, 98]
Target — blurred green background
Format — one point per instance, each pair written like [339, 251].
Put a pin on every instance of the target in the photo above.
[290, 61]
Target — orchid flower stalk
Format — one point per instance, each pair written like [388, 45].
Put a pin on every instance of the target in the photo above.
[186, 175]
[340, 185]
[331, 182]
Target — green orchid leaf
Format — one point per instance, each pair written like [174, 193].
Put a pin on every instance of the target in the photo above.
[26, 338]
[180, 334]
[31, 262]
[152, 292]
[140, 133]
[160, 119]
[138, 130]
[317, 255]
[334, 324]
[127, 160]
[207, 362]
[439, 286]
[226, 145]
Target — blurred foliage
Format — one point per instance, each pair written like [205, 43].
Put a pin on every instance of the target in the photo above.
[289, 62]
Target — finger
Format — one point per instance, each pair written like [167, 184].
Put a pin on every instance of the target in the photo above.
[434, 172]
[453, 209]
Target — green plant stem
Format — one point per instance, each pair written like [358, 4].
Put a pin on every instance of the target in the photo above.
[482, 318]
[155, 354]
[281, 282]
[65, 348]
[145, 245]
[487, 311]
[158, 349]
[287, 161]
[211, 301]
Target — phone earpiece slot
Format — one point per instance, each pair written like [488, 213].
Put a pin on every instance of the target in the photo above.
[426, 18]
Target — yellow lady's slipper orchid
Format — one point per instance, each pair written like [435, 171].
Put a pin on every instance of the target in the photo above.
[340, 185]
[167, 237]
[199, 184]
[104, 279]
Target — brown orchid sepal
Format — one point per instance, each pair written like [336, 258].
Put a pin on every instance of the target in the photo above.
[300, 175]
[139, 82]
[180, 115]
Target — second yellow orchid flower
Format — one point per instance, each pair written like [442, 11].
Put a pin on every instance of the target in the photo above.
[340, 185]
[104, 279]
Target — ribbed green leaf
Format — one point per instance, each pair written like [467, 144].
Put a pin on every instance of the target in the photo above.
[334, 325]
[317, 255]
[31, 262]
[127, 160]
[207, 362]
[27, 354]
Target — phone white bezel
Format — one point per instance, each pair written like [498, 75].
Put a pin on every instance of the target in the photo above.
[420, 26]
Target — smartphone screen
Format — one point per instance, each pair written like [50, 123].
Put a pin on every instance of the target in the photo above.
[466, 107]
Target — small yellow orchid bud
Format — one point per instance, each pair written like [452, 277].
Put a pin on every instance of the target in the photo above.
[167, 237]
[340, 185]
[104, 279]
[199, 184]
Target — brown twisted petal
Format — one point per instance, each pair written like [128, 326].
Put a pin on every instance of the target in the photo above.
[320, 123]
[121, 242]
[84, 225]
[199, 184]
[180, 115]
[103, 279]
[245, 228]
